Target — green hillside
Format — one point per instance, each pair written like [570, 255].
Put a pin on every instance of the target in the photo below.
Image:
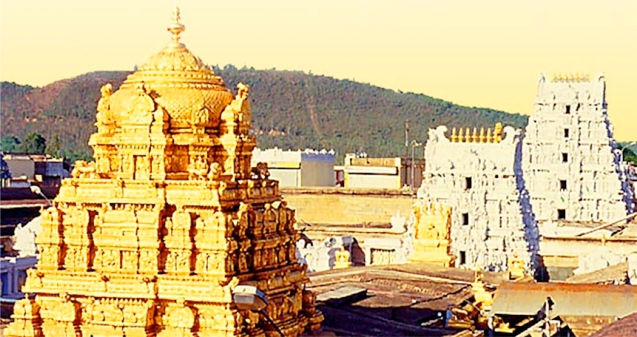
[291, 110]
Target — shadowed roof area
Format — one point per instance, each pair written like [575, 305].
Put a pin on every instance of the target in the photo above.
[626, 326]
[399, 300]
[570, 299]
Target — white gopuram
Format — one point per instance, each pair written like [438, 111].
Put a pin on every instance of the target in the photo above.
[571, 163]
[479, 175]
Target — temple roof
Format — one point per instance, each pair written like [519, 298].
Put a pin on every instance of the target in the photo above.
[175, 56]
[178, 81]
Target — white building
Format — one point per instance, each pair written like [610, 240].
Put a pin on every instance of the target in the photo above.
[392, 173]
[480, 176]
[571, 163]
[298, 168]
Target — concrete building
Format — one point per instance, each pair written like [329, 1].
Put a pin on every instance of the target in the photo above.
[393, 173]
[20, 165]
[298, 168]
[571, 162]
[13, 273]
[479, 176]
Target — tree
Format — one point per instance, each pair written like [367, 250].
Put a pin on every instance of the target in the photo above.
[9, 144]
[34, 143]
[54, 148]
[630, 156]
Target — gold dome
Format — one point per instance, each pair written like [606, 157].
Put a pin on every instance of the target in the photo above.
[179, 82]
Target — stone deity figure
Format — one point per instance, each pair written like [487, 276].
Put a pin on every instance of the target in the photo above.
[104, 104]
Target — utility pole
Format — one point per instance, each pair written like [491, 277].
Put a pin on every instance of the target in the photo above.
[406, 138]
[414, 144]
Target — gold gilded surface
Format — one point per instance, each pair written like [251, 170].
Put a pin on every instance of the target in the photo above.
[150, 238]
[342, 259]
[432, 232]
[483, 298]
[491, 136]
[516, 268]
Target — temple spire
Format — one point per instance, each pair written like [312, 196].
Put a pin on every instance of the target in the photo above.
[176, 28]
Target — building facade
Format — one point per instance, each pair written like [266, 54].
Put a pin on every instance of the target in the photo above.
[392, 173]
[571, 162]
[298, 168]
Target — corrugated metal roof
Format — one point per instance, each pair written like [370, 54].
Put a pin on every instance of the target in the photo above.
[570, 299]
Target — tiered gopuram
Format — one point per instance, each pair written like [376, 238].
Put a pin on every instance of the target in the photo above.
[151, 237]
[479, 175]
[572, 166]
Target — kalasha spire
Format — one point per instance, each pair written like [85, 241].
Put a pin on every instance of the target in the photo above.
[176, 28]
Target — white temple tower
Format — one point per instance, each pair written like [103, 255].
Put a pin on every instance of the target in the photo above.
[479, 175]
[571, 165]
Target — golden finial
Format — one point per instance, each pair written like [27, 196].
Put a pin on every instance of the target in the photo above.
[474, 137]
[176, 28]
[467, 135]
[497, 133]
[454, 136]
[554, 78]
[489, 136]
[483, 138]
[460, 135]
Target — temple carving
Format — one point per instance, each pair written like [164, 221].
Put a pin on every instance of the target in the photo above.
[431, 234]
[151, 237]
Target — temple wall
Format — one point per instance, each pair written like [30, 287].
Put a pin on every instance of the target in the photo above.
[571, 162]
[338, 206]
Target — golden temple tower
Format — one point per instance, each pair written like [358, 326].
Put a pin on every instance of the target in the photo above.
[151, 238]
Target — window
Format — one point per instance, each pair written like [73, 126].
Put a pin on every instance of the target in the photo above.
[467, 183]
[563, 185]
[561, 214]
[465, 219]
[567, 133]
[564, 157]
[568, 109]
[463, 257]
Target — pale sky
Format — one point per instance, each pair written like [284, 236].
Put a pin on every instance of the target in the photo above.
[476, 53]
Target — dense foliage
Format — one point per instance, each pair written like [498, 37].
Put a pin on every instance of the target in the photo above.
[290, 110]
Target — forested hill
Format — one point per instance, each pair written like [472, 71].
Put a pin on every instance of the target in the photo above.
[291, 110]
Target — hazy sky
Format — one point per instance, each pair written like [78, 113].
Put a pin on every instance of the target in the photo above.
[477, 53]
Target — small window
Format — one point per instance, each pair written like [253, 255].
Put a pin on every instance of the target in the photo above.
[563, 185]
[567, 133]
[468, 183]
[465, 219]
[568, 109]
[564, 157]
[463, 257]
[561, 214]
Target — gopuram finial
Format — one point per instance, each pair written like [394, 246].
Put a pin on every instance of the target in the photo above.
[175, 27]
